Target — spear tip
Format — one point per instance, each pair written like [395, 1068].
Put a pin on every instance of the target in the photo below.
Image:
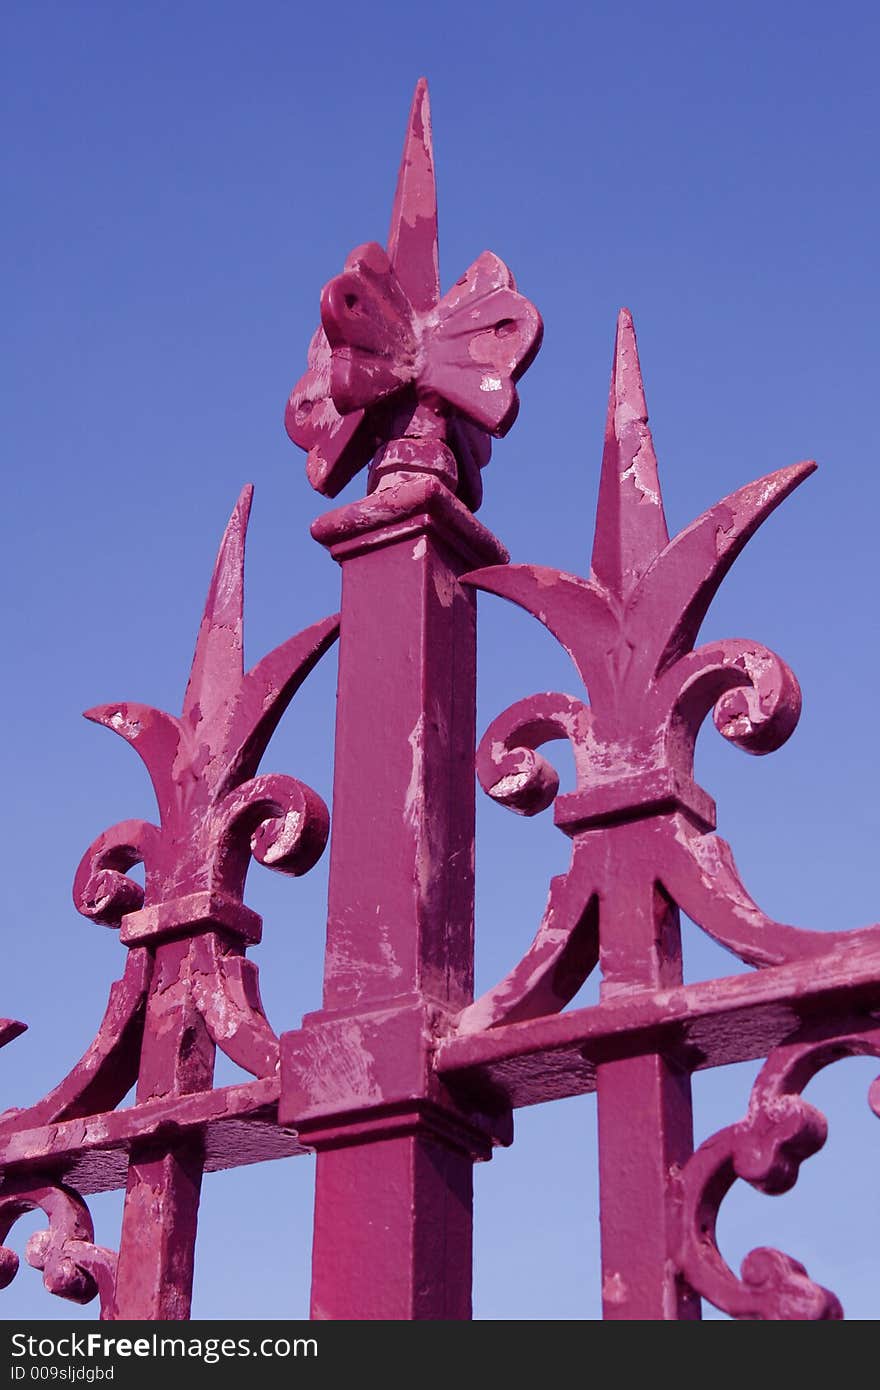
[412, 239]
[630, 522]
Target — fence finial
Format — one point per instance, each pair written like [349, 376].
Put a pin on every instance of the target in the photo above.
[400, 376]
[412, 237]
[630, 525]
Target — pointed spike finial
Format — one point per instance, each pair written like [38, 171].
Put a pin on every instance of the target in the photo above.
[412, 239]
[630, 522]
[218, 663]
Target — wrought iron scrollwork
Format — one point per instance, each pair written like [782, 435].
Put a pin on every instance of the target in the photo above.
[72, 1265]
[188, 987]
[766, 1149]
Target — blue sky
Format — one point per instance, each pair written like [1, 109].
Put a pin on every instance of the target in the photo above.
[181, 179]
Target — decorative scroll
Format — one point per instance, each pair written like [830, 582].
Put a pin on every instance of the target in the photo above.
[630, 630]
[73, 1267]
[566, 946]
[766, 1149]
[395, 364]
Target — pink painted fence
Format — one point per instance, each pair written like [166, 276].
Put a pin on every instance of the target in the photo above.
[400, 1081]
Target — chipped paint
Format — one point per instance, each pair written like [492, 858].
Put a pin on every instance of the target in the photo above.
[390, 1082]
[413, 805]
[643, 483]
[614, 1288]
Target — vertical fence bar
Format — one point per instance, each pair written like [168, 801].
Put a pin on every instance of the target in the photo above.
[157, 1243]
[645, 1115]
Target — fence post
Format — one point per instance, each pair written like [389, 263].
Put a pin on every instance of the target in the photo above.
[412, 382]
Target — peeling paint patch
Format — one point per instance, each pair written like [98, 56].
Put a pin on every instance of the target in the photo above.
[614, 1289]
[129, 728]
[414, 801]
[507, 785]
[642, 472]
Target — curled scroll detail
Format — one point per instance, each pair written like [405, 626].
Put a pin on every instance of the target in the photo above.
[766, 1149]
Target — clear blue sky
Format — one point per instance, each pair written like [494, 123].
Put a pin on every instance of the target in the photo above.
[180, 180]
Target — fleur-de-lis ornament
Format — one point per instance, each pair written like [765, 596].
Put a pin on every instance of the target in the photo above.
[400, 375]
[636, 816]
[214, 811]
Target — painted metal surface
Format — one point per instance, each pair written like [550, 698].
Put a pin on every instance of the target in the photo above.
[400, 1081]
